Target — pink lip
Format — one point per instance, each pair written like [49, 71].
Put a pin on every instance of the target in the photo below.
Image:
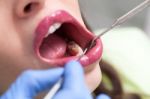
[61, 16]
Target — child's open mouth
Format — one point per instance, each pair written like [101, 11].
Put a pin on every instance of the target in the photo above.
[60, 38]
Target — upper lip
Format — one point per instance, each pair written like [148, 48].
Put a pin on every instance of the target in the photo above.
[84, 38]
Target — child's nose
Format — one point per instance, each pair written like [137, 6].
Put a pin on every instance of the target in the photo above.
[27, 8]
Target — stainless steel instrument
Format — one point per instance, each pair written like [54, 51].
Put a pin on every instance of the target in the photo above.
[119, 21]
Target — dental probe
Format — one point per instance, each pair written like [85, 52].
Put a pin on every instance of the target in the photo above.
[54, 90]
[119, 21]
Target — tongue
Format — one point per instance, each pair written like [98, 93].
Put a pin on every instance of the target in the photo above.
[53, 47]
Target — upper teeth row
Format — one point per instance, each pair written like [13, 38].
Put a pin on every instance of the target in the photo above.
[53, 28]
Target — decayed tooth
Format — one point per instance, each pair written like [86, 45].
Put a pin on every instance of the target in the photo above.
[74, 49]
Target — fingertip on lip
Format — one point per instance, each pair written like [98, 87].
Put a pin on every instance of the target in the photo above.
[73, 62]
[74, 66]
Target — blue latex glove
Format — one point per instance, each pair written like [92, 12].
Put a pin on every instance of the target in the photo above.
[103, 96]
[32, 82]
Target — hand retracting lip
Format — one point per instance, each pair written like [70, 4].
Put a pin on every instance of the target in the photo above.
[118, 22]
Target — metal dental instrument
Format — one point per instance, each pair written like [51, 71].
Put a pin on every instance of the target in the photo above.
[54, 90]
[119, 21]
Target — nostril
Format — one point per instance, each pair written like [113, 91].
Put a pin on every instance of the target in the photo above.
[26, 9]
[30, 7]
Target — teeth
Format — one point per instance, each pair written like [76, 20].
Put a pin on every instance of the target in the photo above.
[53, 28]
[57, 25]
[74, 49]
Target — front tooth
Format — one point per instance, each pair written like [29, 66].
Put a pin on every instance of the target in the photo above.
[57, 25]
[52, 29]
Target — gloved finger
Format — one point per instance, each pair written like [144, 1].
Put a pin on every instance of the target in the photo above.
[73, 76]
[31, 82]
[103, 96]
[74, 86]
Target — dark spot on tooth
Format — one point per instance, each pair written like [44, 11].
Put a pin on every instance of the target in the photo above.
[72, 48]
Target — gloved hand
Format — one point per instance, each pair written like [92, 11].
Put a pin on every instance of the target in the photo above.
[32, 82]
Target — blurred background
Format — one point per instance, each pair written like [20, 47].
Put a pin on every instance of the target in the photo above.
[102, 13]
[126, 49]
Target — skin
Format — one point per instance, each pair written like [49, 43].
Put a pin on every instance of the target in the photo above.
[17, 34]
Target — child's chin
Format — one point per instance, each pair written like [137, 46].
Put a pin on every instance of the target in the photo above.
[93, 77]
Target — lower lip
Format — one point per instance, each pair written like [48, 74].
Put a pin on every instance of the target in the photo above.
[89, 58]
